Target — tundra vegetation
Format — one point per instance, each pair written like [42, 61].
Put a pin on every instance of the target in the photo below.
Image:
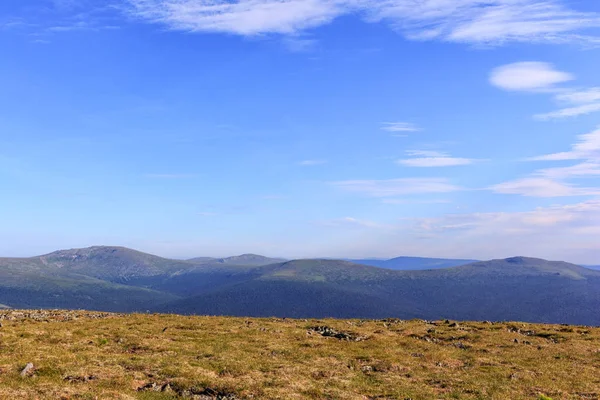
[94, 355]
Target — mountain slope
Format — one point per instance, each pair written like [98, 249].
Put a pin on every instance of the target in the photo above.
[35, 289]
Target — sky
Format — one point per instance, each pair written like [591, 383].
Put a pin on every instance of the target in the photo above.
[301, 128]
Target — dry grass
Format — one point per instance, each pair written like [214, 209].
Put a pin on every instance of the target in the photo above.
[81, 355]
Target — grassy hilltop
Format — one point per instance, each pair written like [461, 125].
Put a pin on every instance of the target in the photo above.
[91, 355]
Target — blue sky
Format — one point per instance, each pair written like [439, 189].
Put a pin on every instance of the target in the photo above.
[301, 128]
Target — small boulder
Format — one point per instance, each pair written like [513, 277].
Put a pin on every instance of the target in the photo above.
[28, 370]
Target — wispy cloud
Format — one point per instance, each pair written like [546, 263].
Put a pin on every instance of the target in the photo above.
[570, 112]
[543, 77]
[586, 148]
[299, 44]
[312, 163]
[585, 96]
[509, 233]
[560, 231]
[405, 201]
[543, 187]
[350, 222]
[555, 182]
[430, 159]
[397, 187]
[586, 151]
[467, 21]
[528, 76]
[170, 176]
[399, 127]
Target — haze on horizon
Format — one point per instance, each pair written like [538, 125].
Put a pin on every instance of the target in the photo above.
[301, 128]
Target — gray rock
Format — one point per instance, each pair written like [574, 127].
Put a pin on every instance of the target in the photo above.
[28, 370]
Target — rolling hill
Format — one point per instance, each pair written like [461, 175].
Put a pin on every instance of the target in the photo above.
[120, 279]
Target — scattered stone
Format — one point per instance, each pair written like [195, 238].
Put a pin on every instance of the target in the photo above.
[80, 379]
[53, 315]
[28, 370]
[461, 345]
[154, 387]
[516, 340]
[207, 394]
[330, 332]
[454, 325]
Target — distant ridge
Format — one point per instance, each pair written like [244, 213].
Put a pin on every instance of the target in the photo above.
[413, 263]
[244, 259]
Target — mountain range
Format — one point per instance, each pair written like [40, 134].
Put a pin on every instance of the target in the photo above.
[121, 279]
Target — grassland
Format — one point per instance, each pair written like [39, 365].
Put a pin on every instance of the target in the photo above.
[88, 355]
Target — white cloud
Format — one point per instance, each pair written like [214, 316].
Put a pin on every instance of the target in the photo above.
[312, 163]
[554, 182]
[399, 127]
[468, 21]
[590, 95]
[543, 187]
[559, 232]
[397, 187]
[426, 158]
[555, 232]
[586, 148]
[528, 76]
[578, 170]
[570, 112]
[539, 77]
[243, 17]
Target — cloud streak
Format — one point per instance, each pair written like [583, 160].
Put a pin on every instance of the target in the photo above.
[397, 187]
[399, 127]
[570, 112]
[312, 163]
[466, 21]
[429, 159]
[554, 182]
